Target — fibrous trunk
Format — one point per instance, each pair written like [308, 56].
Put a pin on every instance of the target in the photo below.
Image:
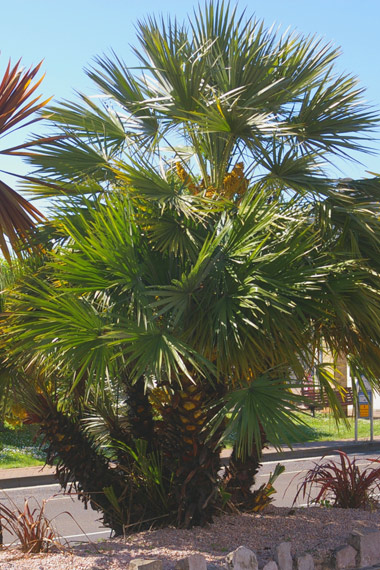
[240, 476]
[196, 457]
[79, 463]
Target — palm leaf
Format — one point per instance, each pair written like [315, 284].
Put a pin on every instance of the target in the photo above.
[268, 405]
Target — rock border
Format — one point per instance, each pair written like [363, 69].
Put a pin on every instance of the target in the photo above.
[362, 551]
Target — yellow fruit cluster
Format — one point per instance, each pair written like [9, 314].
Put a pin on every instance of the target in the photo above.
[17, 415]
[186, 178]
[234, 183]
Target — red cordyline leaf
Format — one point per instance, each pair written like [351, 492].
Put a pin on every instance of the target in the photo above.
[32, 529]
[15, 89]
[342, 483]
[18, 217]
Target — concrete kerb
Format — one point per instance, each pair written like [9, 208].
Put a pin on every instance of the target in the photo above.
[317, 449]
[36, 475]
[27, 477]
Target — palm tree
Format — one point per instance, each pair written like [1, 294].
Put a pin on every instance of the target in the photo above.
[169, 337]
[212, 257]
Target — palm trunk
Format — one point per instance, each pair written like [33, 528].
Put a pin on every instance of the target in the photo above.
[240, 476]
[78, 463]
[185, 443]
[140, 416]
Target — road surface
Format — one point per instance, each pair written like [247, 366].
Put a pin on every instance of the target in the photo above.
[70, 519]
[76, 524]
[295, 470]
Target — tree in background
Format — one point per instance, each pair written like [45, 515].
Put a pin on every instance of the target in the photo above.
[200, 256]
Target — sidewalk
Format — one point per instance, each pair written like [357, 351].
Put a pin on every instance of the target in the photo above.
[319, 448]
[33, 476]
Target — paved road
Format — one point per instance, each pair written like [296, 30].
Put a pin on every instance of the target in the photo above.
[295, 470]
[76, 524]
[68, 515]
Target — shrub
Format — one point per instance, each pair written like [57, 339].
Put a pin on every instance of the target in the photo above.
[262, 497]
[31, 528]
[341, 484]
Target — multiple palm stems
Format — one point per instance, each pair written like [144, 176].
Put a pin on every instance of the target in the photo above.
[197, 258]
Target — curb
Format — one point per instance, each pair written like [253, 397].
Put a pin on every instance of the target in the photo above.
[27, 476]
[27, 481]
[315, 449]
[308, 452]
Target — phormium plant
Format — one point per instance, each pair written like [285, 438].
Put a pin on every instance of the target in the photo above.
[343, 484]
[30, 527]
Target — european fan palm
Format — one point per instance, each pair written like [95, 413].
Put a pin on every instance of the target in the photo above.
[167, 339]
[211, 260]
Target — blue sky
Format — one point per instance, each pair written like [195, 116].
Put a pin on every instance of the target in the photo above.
[69, 34]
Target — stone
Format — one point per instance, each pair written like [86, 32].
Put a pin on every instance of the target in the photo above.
[367, 542]
[192, 562]
[143, 564]
[323, 561]
[242, 559]
[345, 557]
[305, 562]
[271, 565]
[283, 556]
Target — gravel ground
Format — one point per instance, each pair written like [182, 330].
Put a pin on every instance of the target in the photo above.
[315, 530]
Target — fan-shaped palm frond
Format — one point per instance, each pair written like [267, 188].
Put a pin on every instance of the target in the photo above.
[266, 405]
[225, 87]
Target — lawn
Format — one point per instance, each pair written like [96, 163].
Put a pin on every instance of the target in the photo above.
[323, 427]
[18, 448]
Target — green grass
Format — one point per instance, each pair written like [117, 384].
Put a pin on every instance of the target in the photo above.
[18, 448]
[323, 428]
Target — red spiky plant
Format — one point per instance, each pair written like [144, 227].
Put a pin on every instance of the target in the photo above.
[18, 108]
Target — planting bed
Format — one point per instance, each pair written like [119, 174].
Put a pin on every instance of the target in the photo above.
[311, 530]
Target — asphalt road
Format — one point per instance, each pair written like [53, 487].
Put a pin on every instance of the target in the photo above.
[295, 470]
[67, 514]
[75, 524]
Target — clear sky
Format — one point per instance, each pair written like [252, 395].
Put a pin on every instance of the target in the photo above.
[68, 34]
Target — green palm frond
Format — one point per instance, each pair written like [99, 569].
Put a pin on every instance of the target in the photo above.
[267, 405]
[88, 118]
[224, 86]
[76, 159]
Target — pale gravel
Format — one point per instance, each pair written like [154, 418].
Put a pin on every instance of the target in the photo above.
[315, 530]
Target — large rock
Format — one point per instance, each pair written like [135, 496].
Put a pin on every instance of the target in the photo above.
[242, 559]
[283, 556]
[345, 557]
[142, 564]
[305, 562]
[271, 565]
[192, 562]
[367, 542]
